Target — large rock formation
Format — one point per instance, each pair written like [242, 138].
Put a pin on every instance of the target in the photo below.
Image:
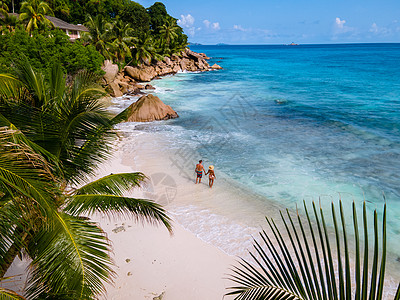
[111, 71]
[114, 89]
[187, 60]
[150, 108]
[145, 73]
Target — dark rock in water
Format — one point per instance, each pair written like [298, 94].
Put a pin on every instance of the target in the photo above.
[149, 87]
[398, 259]
[281, 101]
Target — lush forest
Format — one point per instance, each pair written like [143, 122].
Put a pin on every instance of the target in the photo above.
[122, 31]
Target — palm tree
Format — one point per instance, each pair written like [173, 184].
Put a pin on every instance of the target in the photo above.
[54, 137]
[98, 34]
[168, 32]
[9, 21]
[121, 37]
[3, 7]
[144, 50]
[33, 13]
[301, 263]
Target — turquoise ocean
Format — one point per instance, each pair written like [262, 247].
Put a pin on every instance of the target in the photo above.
[294, 123]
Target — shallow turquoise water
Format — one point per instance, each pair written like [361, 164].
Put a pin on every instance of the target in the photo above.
[297, 122]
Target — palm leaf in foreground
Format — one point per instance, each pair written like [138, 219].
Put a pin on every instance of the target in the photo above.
[140, 209]
[6, 294]
[75, 249]
[115, 184]
[301, 262]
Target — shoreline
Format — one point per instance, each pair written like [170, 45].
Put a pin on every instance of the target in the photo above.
[218, 217]
[149, 261]
[210, 225]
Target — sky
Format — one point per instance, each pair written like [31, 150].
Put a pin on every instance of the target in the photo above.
[286, 21]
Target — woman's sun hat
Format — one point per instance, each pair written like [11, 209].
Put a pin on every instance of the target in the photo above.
[211, 167]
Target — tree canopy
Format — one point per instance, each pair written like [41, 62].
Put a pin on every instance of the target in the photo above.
[120, 30]
[44, 49]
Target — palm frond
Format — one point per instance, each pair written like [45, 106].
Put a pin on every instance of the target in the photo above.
[113, 184]
[25, 172]
[10, 88]
[71, 258]
[9, 295]
[19, 138]
[299, 262]
[34, 81]
[140, 209]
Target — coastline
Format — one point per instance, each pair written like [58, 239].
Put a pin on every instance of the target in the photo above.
[211, 226]
[215, 220]
[150, 262]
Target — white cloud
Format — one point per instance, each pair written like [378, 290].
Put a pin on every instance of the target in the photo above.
[374, 28]
[213, 26]
[216, 26]
[340, 28]
[340, 23]
[186, 21]
[238, 27]
[383, 31]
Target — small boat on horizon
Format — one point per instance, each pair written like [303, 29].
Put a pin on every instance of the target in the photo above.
[293, 44]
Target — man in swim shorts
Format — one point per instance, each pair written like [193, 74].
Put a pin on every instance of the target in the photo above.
[199, 171]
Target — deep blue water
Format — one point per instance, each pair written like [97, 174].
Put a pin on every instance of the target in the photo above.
[298, 122]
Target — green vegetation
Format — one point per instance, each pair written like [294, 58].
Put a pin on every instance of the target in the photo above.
[33, 15]
[54, 132]
[301, 263]
[44, 49]
[123, 31]
[53, 135]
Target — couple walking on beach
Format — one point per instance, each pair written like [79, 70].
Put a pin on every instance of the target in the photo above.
[199, 172]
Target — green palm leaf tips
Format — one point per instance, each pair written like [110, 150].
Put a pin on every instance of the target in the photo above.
[308, 261]
[52, 138]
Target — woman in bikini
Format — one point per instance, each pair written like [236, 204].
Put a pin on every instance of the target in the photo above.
[211, 176]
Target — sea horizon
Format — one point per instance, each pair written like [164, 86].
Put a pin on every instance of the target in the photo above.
[296, 44]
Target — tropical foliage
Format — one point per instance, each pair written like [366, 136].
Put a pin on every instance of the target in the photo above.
[33, 14]
[307, 261]
[44, 49]
[8, 22]
[52, 138]
[122, 31]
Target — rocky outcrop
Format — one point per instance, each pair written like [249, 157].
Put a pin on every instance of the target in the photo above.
[111, 71]
[145, 73]
[216, 67]
[150, 108]
[126, 80]
[114, 90]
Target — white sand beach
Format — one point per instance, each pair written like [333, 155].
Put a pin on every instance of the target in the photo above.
[212, 227]
[149, 261]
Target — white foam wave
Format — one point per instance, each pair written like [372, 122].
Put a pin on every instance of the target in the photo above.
[231, 237]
